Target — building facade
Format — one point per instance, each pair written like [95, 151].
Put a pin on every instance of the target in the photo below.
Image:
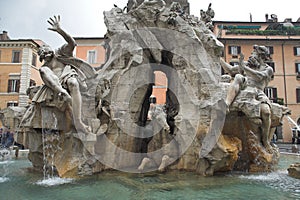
[19, 69]
[283, 43]
[91, 50]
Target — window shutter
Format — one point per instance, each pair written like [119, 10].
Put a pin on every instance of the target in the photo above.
[229, 49]
[239, 50]
[295, 51]
[9, 86]
[298, 95]
[17, 86]
[16, 57]
[271, 50]
[274, 93]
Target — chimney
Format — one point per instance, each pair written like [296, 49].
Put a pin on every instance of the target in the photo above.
[267, 17]
[4, 36]
[288, 20]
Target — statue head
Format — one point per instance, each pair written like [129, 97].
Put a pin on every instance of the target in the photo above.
[261, 49]
[259, 55]
[46, 53]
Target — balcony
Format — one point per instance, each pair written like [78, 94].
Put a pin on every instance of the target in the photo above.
[280, 101]
[285, 31]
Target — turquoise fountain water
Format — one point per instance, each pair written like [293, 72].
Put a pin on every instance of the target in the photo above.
[22, 183]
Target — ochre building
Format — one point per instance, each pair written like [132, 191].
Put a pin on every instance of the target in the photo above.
[19, 69]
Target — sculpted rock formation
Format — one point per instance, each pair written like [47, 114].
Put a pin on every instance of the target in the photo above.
[191, 132]
[294, 170]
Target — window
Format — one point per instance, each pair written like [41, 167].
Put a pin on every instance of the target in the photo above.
[234, 63]
[32, 83]
[270, 50]
[297, 69]
[33, 62]
[297, 65]
[12, 104]
[13, 85]
[91, 57]
[298, 95]
[271, 64]
[234, 50]
[16, 56]
[271, 93]
[297, 51]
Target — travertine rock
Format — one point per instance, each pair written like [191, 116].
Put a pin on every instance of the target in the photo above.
[294, 170]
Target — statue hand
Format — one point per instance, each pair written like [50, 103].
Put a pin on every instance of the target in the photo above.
[54, 23]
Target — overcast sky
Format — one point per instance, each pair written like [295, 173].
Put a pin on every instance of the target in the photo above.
[27, 19]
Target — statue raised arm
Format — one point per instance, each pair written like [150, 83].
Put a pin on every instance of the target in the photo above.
[60, 76]
[71, 44]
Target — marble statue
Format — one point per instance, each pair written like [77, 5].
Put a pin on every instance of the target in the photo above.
[62, 76]
[257, 75]
[207, 16]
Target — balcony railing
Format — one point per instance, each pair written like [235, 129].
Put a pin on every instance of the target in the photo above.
[280, 101]
[284, 31]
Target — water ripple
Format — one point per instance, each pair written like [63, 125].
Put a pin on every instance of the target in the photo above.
[54, 181]
[3, 179]
[277, 180]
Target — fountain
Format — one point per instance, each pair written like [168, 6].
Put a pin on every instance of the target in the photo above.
[102, 117]
[295, 129]
[196, 133]
[294, 169]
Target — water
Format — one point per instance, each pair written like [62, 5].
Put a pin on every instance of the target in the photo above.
[5, 161]
[50, 141]
[24, 184]
[293, 124]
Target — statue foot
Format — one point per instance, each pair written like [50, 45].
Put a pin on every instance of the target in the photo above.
[165, 161]
[145, 161]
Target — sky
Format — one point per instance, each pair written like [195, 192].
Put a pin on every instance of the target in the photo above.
[27, 19]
